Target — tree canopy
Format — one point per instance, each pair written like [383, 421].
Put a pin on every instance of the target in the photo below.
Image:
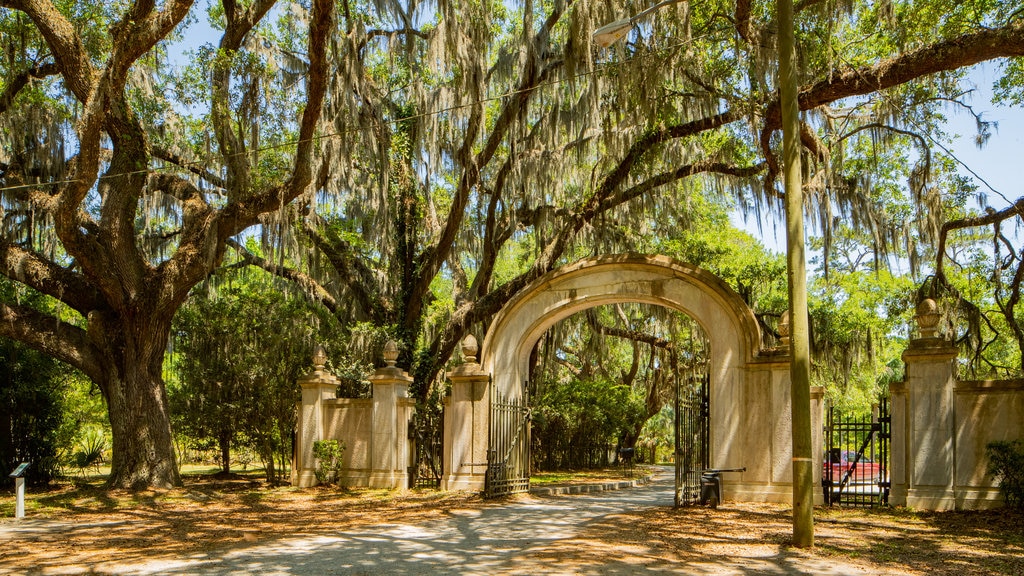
[387, 151]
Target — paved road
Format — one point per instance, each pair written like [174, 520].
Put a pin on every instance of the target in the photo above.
[580, 534]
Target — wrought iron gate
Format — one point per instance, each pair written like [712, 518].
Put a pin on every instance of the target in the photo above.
[426, 430]
[692, 431]
[856, 463]
[508, 454]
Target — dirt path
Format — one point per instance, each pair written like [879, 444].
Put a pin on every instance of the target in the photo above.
[633, 531]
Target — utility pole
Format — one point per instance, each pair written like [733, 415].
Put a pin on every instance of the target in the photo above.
[800, 364]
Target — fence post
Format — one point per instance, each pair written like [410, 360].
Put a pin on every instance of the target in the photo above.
[467, 423]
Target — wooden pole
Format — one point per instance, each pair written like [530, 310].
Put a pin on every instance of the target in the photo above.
[803, 499]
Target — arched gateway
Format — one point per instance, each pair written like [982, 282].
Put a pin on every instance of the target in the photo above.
[749, 386]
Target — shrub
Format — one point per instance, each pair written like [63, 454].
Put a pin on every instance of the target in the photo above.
[1006, 465]
[328, 460]
[90, 453]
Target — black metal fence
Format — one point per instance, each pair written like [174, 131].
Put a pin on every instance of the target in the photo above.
[856, 460]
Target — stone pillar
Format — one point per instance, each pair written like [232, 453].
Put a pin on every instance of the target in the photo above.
[316, 387]
[923, 423]
[466, 423]
[392, 409]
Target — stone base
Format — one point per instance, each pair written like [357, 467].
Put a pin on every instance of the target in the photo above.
[931, 498]
[389, 479]
[355, 478]
[979, 498]
[306, 478]
[944, 498]
[775, 493]
[898, 495]
[472, 482]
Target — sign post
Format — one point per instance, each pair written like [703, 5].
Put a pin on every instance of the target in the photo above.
[19, 488]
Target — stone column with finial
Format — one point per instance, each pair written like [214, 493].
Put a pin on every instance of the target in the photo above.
[317, 386]
[392, 411]
[923, 424]
[466, 421]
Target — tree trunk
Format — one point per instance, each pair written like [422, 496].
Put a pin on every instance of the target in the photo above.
[225, 452]
[143, 446]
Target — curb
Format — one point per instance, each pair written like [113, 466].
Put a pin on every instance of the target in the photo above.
[587, 488]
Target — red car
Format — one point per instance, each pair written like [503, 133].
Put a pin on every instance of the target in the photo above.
[862, 470]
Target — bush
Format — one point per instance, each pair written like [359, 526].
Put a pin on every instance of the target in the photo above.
[328, 460]
[90, 452]
[1006, 465]
[32, 412]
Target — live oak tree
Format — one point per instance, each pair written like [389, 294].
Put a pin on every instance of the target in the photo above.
[481, 145]
[477, 144]
[84, 176]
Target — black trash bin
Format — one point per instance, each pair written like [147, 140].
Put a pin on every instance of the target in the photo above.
[710, 489]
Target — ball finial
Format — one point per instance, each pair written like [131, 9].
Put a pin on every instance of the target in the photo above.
[927, 318]
[391, 353]
[319, 357]
[470, 348]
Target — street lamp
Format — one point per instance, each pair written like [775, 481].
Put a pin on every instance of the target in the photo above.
[803, 501]
[609, 34]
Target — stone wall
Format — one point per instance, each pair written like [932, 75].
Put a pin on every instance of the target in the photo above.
[940, 427]
[984, 411]
[350, 420]
[375, 431]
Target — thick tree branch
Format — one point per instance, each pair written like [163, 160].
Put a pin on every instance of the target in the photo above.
[64, 42]
[664, 178]
[951, 54]
[176, 159]
[1017, 209]
[304, 281]
[533, 75]
[232, 146]
[352, 272]
[198, 249]
[242, 213]
[742, 15]
[627, 334]
[377, 32]
[50, 336]
[43, 275]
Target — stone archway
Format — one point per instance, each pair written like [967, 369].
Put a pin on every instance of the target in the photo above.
[750, 386]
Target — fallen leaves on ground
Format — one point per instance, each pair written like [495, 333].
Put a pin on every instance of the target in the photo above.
[88, 525]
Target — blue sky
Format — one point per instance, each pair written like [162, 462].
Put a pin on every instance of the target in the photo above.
[1000, 163]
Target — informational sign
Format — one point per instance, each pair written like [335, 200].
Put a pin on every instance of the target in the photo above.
[20, 470]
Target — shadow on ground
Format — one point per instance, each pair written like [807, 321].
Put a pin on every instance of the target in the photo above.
[633, 531]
